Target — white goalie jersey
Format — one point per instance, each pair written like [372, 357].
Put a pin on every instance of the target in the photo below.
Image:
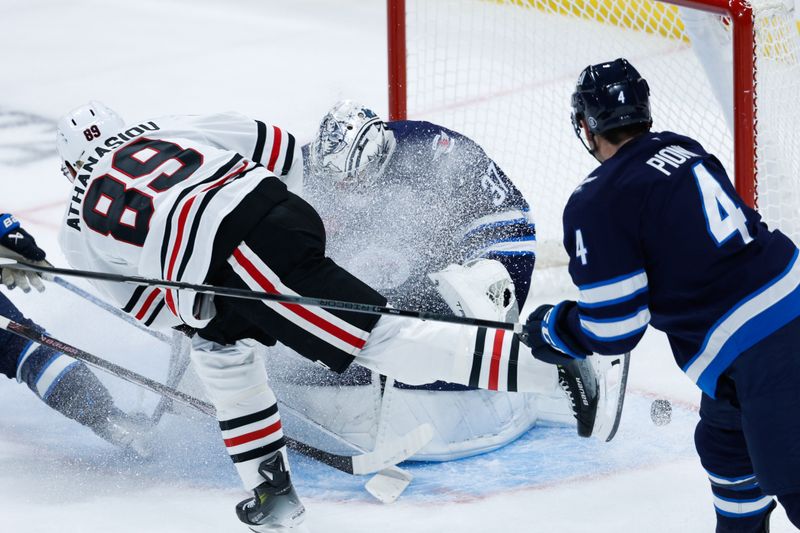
[152, 200]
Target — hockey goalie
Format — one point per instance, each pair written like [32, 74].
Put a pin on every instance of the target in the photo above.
[422, 214]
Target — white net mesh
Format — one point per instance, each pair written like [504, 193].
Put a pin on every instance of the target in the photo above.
[502, 72]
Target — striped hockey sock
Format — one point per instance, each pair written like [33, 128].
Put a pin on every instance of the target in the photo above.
[740, 504]
[251, 432]
[500, 363]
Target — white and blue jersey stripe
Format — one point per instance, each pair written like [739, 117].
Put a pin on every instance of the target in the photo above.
[749, 321]
[676, 248]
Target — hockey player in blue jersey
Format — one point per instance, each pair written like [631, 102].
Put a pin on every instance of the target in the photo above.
[658, 235]
[63, 383]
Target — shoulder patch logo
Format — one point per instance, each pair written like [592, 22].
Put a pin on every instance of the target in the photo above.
[585, 182]
[442, 145]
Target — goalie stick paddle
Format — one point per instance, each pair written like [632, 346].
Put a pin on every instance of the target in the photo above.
[231, 292]
[367, 463]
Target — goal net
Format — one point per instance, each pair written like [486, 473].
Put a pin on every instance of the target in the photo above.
[502, 72]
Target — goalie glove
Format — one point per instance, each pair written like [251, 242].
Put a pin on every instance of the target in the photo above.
[18, 244]
[481, 288]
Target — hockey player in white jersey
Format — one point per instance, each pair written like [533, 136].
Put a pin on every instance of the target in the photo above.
[205, 200]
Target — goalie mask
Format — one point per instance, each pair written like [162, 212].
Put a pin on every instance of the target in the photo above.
[80, 131]
[352, 145]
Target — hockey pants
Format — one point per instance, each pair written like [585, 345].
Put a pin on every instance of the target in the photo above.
[747, 436]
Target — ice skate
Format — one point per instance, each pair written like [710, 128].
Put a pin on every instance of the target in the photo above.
[580, 384]
[275, 505]
[595, 388]
[131, 432]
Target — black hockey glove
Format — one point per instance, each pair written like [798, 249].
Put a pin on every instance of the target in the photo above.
[18, 244]
[542, 320]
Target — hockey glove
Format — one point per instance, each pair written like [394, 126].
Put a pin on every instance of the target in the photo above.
[18, 244]
[548, 342]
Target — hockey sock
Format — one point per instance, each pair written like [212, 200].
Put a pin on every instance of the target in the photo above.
[740, 504]
[66, 385]
[417, 352]
[247, 410]
[251, 437]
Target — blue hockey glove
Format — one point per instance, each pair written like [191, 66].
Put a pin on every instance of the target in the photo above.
[18, 244]
[547, 342]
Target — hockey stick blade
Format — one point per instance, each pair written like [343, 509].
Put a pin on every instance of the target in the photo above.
[230, 292]
[357, 464]
[388, 484]
[623, 386]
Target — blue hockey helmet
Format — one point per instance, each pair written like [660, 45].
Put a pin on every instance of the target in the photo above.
[610, 95]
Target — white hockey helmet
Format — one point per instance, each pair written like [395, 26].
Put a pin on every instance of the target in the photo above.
[81, 130]
[352, 145]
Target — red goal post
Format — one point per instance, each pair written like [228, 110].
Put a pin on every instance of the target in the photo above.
[447, 57]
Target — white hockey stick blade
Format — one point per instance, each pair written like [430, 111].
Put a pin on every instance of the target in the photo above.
[613, 373]
[393, 452]
[388, 484]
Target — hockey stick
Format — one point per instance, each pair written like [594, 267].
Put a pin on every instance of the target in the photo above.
[386, 485]
[42, 338]
[177, 368]
[367, 463]
[175, 373]
[272, 297]
[110, 308]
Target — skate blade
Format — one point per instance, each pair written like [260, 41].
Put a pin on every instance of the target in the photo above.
[299, 528]
[613, 382]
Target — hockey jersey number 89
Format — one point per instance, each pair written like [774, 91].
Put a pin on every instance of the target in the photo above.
[152, 204]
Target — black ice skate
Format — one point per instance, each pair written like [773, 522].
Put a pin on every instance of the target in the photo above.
[275, 505]
[596, 387]
[579, 381]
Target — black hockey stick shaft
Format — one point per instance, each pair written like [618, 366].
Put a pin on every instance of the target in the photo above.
[340, 462]
[42, 338]
[259, 295]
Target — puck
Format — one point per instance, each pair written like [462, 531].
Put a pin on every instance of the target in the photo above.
[661, 412]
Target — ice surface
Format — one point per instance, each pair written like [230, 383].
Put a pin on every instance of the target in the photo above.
[287, 63]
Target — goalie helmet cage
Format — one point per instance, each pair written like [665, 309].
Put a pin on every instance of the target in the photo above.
[502, 72]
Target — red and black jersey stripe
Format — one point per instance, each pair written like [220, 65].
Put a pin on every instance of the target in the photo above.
[502, 357]
[187, 254]
[261, 139]
[224, 169]
[141, 304]
[278, 138]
